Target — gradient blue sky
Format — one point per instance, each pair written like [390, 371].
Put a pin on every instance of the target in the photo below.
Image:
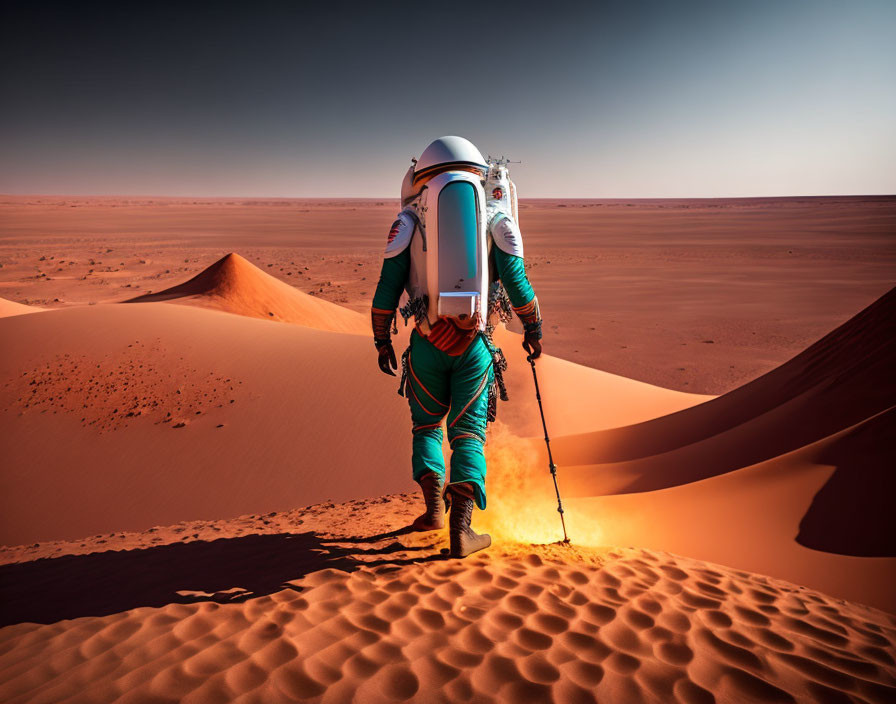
[602, 99]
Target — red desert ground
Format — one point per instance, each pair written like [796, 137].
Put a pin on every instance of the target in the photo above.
[205, 477]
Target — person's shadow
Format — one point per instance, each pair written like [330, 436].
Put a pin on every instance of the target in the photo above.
[224, 570]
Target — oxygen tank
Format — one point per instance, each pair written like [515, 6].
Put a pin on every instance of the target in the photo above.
[456, 256]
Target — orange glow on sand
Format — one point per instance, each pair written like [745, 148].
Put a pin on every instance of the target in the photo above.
[522, 505]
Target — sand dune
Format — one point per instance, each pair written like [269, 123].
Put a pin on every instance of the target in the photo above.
[8, 308]
[297, 611]
[177, 412]
[166, 412]
[789, 476]
[843, 379]
[234, 285]
[848, 511]
[577, 397]
[777, 517]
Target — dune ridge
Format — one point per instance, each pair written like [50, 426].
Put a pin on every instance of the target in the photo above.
[235, 285]
[844, 378]
[9, 308]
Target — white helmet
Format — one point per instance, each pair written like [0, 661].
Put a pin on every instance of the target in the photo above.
[449, 151]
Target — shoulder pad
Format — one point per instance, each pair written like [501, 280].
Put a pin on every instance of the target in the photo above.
[400, 233]
[506, 235]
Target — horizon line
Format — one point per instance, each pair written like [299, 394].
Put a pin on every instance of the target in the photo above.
[397, 198]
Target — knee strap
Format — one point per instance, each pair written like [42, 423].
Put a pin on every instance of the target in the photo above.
[466, 436]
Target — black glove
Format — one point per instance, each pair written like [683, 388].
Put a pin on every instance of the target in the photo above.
[532, 340]
[386, 356]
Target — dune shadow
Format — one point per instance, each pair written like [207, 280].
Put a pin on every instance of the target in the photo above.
[852, 514]
[842, 379]
[225, 570]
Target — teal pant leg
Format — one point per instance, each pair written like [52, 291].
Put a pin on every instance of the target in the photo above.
[471, 376]
[428, 396]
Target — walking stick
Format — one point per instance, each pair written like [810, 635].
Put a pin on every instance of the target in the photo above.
[547, 442]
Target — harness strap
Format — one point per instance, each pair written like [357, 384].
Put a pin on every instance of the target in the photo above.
[422, 386]
[437, 414]
[418, 428]
[418, 224]
[476, 395]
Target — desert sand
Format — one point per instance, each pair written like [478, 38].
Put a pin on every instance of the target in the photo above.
[693, 295]
[325, 604]
[205, 490]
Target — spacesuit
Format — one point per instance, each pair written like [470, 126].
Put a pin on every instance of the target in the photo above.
[452, 247]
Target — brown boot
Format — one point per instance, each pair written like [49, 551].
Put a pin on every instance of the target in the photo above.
[434, 518]
[462, 538]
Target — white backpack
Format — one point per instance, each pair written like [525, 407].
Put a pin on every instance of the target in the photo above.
[457, 220]
[449, 259]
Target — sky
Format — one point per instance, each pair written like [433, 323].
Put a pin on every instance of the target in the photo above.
[596, 100]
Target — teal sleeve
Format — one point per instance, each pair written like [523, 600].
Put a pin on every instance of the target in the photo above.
[512, 272]
[393, 277]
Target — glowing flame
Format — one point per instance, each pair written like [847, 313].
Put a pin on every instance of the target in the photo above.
[522, 505]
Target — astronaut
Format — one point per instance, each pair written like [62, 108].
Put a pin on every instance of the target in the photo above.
[452, 247]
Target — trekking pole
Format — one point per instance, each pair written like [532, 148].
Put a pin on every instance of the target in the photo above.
[547, 442]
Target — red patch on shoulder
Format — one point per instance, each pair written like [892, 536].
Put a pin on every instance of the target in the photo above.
[393, 233]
